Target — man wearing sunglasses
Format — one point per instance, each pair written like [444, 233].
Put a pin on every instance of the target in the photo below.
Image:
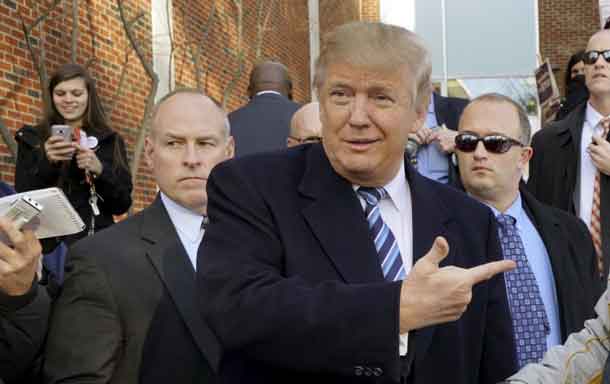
[571, 162]
[556, 269]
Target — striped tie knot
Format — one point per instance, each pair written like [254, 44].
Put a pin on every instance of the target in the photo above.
[506, 220]
[372, 196]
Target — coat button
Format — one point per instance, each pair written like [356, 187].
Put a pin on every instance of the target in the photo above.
[377, 371]
[358, 370]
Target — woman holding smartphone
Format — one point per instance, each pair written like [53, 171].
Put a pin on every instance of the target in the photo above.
[74, 148]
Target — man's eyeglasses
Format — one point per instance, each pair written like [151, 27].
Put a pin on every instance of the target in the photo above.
[306, 140]
[467, 142]
[591, 57]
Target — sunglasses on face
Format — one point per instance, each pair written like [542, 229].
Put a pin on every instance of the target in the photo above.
[591, 57]
[467, 142]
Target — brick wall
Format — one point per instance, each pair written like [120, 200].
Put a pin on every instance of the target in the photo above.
[103, 46]
[285, 39]
[369, 10]
[565, 27]
[336, 12]
[103, 43]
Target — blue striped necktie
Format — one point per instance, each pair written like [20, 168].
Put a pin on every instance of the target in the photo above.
[385, 243]
[530, 321]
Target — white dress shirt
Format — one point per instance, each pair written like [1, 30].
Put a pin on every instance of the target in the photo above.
[587, 168]
[396, 212]
[271, 92]
[188, 226]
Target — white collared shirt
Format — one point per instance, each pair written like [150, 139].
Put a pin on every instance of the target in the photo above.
[396, 212]
[272, 92]
[188, 226]
[587, 168]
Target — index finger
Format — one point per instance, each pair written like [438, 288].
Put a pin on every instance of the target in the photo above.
[486, 271]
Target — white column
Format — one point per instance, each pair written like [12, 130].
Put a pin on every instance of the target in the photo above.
[161, 16]
[314, 39]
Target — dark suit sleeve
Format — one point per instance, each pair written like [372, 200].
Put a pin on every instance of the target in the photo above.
[286, 321]
[23, 326]
[85, 334]
[499, 358]
[583, 251]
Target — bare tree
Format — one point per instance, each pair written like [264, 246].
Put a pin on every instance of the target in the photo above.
[172, 46]
[121, 85]
[262, 20]
[154, 79]
[195, 53]
[39, 65]
[239, 52]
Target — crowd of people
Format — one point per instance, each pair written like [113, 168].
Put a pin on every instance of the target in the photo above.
[394, 240]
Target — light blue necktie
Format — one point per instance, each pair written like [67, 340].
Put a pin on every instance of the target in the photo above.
[385, 243]
[530, 322]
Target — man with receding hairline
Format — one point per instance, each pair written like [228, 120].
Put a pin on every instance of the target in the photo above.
[127, 310]
[263, 123]
[305, 126]
[337, 262]
[553, 249]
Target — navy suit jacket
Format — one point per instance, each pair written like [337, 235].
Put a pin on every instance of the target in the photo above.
[289, 278]
[263, 124]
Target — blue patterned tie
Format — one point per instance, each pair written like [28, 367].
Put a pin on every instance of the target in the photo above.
[385, 243]
[530, 322]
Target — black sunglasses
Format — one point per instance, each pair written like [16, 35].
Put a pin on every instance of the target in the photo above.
[467, 142]
[591, 57]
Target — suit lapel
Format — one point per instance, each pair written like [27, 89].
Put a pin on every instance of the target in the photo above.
[569, 133]
[175, 270]
[548, 228]
[337, 220]
[335, 213]
[430, 219]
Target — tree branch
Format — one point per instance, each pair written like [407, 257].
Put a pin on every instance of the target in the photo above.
[240, 52]
[44, 15]
[148, 68]
[261, 25]
[171, 44]
[119, 90]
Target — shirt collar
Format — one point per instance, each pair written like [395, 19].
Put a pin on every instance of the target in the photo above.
[592, 117]
[396, 188]
[185, 220]
[271, 92]
[431, 104]
[515, 211]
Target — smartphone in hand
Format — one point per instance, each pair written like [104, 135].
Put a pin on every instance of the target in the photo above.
[64, 131]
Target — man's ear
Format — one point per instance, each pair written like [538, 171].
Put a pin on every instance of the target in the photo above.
[526, 155]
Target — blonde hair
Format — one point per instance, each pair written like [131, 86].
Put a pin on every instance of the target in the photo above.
[380, 47]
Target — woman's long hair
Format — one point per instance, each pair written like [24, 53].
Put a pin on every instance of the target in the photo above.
[574, 59]
[94, 120]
